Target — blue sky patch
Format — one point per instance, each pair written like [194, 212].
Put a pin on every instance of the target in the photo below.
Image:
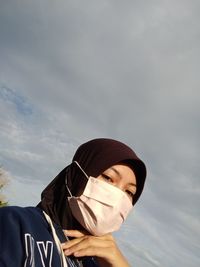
[20, 103]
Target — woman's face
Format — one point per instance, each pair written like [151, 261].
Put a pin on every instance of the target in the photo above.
[121, 176]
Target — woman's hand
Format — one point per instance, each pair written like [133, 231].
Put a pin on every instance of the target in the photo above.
[102, 247]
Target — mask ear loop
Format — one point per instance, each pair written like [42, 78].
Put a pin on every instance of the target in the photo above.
[81, 170]
[68, 187]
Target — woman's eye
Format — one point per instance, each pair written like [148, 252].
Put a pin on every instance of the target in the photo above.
[129, 193]
[106, 177]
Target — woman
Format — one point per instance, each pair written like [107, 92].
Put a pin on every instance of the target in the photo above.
[90, 199]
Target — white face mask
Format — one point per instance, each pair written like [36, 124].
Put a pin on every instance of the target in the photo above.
[101, 208]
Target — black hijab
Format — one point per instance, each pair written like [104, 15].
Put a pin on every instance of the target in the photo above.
[94, 157]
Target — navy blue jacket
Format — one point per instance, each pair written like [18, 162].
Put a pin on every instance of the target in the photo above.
[26, 240]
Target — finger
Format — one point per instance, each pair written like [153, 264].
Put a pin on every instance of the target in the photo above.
[89, 240]
[74, 233]
[103, 252]
[83, 243]
[110, 255]
[71, 243]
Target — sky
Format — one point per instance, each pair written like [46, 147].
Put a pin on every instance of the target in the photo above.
[75, 70]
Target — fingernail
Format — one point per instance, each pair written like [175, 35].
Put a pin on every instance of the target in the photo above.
[76, 254]
[67, 251]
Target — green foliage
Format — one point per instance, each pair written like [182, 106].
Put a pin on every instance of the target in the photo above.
[3, 204]
[3, 182]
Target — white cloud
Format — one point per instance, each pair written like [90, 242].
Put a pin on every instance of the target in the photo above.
[71, 71]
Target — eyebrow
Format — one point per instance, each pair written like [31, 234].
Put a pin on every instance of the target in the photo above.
[119, 174]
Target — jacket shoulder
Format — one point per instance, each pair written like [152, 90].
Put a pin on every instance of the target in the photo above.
[19, 213]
